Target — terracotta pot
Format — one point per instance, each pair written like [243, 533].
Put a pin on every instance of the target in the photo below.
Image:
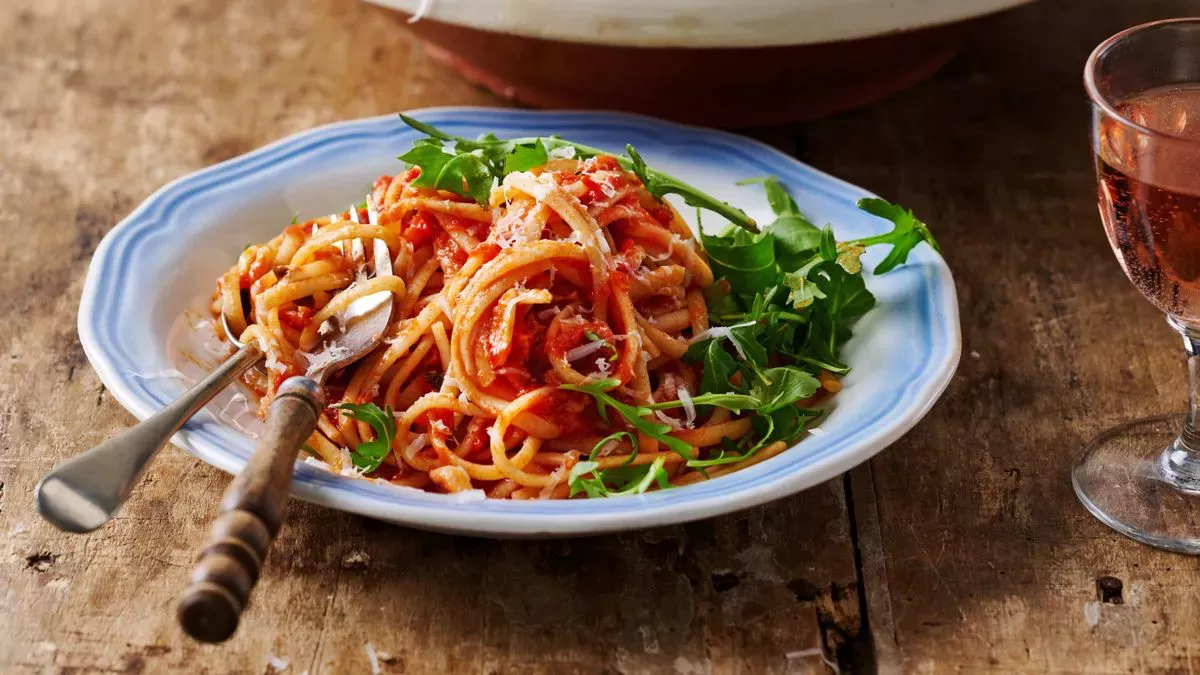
[735, 87]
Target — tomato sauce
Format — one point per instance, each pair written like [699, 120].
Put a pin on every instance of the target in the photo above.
[258, 269]
[419, 228]
[449, 254]
[296, 316]
[380, 187]
[574, 413]
[574, 334]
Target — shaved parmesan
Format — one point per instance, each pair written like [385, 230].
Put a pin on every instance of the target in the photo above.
[320, 464]
[414, 446]
[603, 365]
[348, 468]
[372, 658]
[584, 350]
[372, 211]
[718, 332]
[456, 497]
[422, 11]
[667, 419]
[238, 398]
[324, 358]
[607, 449]
[555, 478]
[663, 256]
[689, 409]
[169, 373]
[449, 381]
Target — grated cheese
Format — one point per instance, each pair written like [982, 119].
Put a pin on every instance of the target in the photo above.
[372, 657]
[584, 350]
[372, 211]
[166, 374]
[555, 478]
[689, 409]
[237, 398]
[422, 11]
[718, 332]
[415, 444]
[608, 448]
[561, 152]
[667, 419]
[278, 664]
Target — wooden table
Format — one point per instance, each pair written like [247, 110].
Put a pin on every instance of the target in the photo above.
[960, 548]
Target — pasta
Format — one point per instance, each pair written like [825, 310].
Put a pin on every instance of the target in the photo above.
[572, 273]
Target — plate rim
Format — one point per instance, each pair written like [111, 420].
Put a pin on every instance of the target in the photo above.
[565, 521]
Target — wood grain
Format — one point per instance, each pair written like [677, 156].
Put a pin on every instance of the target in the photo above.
[252, 512]
[963, 542]
[105, 101]
[976, 555]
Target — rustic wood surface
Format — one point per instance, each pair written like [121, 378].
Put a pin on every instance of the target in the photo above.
[960, 548]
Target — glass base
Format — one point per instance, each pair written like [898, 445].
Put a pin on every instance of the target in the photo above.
[1120, 480]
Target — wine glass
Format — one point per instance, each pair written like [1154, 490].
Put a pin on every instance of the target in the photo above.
[1143, 478]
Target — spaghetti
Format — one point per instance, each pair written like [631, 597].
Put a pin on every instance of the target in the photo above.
[542, 333]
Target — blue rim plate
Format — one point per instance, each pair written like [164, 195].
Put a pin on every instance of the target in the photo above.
[166, 255]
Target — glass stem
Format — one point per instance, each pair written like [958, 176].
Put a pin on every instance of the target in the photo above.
[1180, 462]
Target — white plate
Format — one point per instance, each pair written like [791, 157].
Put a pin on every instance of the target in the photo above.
[166, 255]
[700, 23]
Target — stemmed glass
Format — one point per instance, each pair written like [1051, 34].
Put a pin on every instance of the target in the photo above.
[1143, 478]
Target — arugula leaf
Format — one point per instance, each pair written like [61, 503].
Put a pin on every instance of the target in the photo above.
[846, 298]
[803, 292]
[633, 479]
[795, 239]
[718, 365]
[746, 260]
[827, 247]
[777, 196]
[503, 156]
[732, 401]
[795, 235]
[525, 158]
[576, 480]
[615, 436]
[655, 473]
[908, 232]
[785, 385]
[462, 173]
[745, 340]
[634, 415]
[660, 184]
[369, 455]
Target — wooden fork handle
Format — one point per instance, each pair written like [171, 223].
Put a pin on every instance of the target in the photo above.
[251, 513]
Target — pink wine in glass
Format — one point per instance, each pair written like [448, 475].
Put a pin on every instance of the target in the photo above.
[1149, 195]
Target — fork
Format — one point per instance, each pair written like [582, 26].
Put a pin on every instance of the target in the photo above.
[253, 506]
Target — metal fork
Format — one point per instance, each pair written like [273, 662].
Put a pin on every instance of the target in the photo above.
[253, 506]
